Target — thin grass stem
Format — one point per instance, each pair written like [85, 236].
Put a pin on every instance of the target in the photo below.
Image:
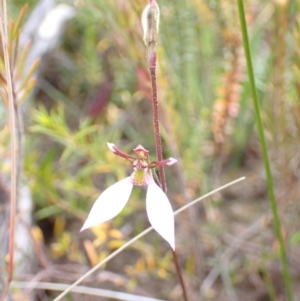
[82, 290]
[270, 185]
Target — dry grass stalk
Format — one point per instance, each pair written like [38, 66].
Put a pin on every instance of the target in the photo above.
[13, 143]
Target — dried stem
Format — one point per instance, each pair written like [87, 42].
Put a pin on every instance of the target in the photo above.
[13, 145]
[91, 291]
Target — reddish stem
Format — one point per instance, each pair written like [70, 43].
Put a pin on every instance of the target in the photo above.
[185, 298]
[159, 153]
[158, 144]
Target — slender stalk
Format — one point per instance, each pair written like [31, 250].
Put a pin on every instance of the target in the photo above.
[13, 145]
[130, 242]
[158, 144]
[272, 200]
[86, 290]
[159, 152]
[179, 275]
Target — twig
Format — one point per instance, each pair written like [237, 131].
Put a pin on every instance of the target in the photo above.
[14, 144]
[82, 290]
[118, 251]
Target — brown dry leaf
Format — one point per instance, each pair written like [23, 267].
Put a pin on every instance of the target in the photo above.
[91, 252]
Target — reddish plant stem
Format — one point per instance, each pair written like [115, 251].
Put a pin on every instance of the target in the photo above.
[179, 275]
[158, 144]
[159, 152]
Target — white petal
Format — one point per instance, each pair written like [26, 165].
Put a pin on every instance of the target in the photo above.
[160, 213]
[109, 204]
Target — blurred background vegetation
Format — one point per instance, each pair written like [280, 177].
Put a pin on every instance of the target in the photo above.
[94, 88]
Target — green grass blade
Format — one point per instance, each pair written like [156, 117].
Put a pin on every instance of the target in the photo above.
[273, 204]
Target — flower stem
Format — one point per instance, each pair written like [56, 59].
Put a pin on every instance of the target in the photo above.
[158, 144]
[159, 152]
[179, 275]
[273, 204]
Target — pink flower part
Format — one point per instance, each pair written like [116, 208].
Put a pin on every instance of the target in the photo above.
[160, 213]
[109, 204]
[141, 152]
[169, 161]
[119, 153]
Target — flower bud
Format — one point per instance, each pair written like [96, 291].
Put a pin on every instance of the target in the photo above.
[150, 23]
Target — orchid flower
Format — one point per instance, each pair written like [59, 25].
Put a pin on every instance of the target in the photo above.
[111, 202]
